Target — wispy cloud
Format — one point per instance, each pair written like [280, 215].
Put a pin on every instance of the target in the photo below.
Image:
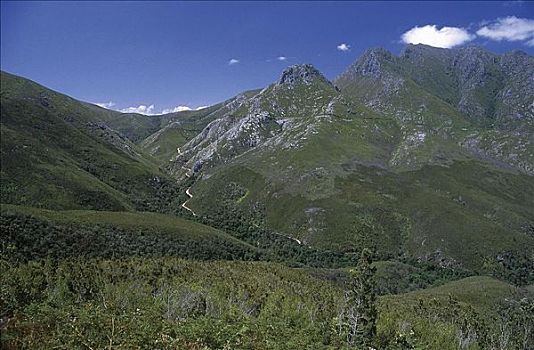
[141, 109]
[175, 109]
[509, 29]
[446, 37]
[343, 47]
[180, 108]
[233, 61]
[149, 109]
[106, 105]
[281, 58]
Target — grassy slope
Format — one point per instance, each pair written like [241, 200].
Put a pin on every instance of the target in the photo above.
[130, 220]
[57, 153]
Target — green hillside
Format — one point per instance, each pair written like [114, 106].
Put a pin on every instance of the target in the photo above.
[30, 233]
[333, 171]
[59, 153]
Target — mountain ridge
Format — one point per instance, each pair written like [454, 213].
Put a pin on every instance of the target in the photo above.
[345, 164]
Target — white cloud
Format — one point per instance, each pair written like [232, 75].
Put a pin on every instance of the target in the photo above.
[281, 58]
[175, 109]
[141, 109]
[181, 109]
[509, 29]
[150, 110]
[233, 61]
[106, 105]
[343, 47]
[446, 37]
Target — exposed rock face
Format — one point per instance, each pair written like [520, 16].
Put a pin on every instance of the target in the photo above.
[226, 138]
[304, 73]
[476, 71]
[370, 64]
[481, 85]
[515, 102]
[372, 61]
[371, 78]
[418, 54]
[280, 115]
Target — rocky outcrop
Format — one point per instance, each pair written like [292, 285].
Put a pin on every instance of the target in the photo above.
[300, 73]
[515, 101]
[478, 78]
[280, 115]
[371, 79]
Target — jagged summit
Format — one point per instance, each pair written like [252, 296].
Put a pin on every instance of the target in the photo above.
[305, 73]
[368, 64]
[419, 52]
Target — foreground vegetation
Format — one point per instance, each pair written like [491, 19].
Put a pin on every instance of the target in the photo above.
[85, 279]
[172, 303]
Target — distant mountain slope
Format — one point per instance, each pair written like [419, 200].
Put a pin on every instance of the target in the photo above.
[427, 155]
[177, 129]
[59, 153]
[481, 101]
[383, 161]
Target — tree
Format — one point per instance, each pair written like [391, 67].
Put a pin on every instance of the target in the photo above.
[358, 319]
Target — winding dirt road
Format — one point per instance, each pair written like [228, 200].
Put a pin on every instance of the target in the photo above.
[184, 204]
[188, 191]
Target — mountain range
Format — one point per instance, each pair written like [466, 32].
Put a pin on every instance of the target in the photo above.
[429, 153]
[426, 157]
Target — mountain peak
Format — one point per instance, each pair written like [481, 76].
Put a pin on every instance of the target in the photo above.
[305, 73]
[370, 63]
[422, 49]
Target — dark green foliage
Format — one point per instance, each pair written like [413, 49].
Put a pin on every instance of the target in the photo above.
[516, 324]
[394, 277]
[166, 196]
[169, 303]
[249, 228]
[28, 238]
[514, 267]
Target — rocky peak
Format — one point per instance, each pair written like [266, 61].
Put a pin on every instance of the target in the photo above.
[422, 48]
[417, 54]
[473, 64]
[305, 73]
[517, 62]
[372, 61]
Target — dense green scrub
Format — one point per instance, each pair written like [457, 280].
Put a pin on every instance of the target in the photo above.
[171, 303]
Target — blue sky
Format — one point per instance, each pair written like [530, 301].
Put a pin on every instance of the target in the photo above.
[167, 54]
